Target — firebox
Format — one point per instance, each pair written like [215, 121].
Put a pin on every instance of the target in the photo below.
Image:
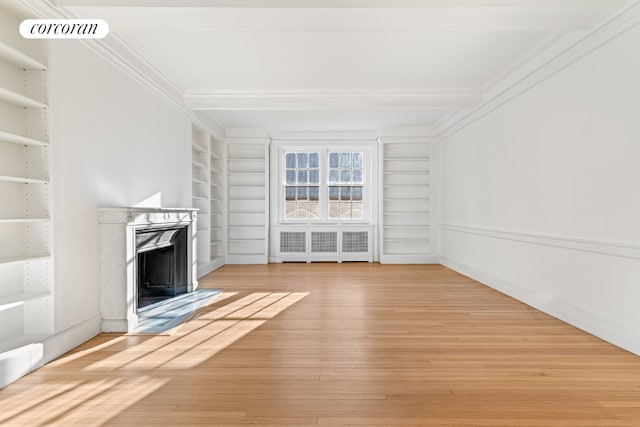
[161, 264]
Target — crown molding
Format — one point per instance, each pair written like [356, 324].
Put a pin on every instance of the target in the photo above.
[316, 4]
[267, 17]
[324, 135]
[556, 55]
[341, 100]
[119, 54]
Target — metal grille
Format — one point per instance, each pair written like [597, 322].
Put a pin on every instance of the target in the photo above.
[324, 241]
[355, 241]
[291, 241]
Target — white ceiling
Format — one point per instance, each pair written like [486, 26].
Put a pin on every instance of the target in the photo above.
[337, 65]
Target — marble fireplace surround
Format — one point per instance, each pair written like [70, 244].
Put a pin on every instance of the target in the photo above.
[118, 274]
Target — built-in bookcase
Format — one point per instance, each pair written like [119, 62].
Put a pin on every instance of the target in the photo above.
[248, 200]
[217, 241]
[26, 289]
[406, 204]
[208, 195]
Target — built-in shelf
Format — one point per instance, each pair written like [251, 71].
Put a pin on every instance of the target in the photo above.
[198, 164]
[407, 172]
[247, 239]
[215, 156]
[395, 199]
[26, 278]
[22, 180]
[246, 173]
[407, 186]
[23, 258]
[198, 148]
[408, 211]
[16, 300]
[19, 59]
[19, 99]
[406, 208]
[247, 253]
[407, 226]
[199, 181]
[407, 159]
[20, 140]
[248, 199]
[248, 202]
[405, 239]
[199, 197]
[22, 220]
[246, 186]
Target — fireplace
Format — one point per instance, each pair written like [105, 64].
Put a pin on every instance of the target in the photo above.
[161, 263]
[146, 254]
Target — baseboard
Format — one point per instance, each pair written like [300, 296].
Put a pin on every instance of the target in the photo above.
[409, 259]
[247, 259]
[206, 268]
[612, 331]
[22, 360]
[60, 343]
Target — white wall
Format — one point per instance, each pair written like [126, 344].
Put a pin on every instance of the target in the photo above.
[114, 143]
[541, 196]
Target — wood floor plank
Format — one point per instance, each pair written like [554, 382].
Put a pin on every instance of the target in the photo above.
[340, 344]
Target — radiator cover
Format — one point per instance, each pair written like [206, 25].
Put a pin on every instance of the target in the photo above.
[322, 243]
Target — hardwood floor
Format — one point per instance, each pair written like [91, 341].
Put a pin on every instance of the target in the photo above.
[340, 344]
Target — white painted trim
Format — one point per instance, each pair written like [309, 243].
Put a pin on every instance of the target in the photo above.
[247, 259]
[550, 60]
[617, 249]
[268, 4]
[330, 100]
[408, 259]
[364, 135]
[61, 342]
[208, 267]
[20, 361]
[407, 140]
[610, 330]
[346, 15]
[407, 131]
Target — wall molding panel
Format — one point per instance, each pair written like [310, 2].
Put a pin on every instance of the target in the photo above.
[616, 249]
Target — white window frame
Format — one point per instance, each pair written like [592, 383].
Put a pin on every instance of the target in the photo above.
[323, 147]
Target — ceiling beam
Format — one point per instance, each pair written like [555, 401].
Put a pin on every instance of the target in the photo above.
[310, 100]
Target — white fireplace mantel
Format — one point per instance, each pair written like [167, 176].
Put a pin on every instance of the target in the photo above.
[118, 274]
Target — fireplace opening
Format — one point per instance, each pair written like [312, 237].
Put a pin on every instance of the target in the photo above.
[161, 264]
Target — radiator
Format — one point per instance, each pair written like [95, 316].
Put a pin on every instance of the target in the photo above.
[337, 243]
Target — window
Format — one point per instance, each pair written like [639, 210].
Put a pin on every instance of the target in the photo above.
[345, 185]
[302, 186]
[323, 185]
